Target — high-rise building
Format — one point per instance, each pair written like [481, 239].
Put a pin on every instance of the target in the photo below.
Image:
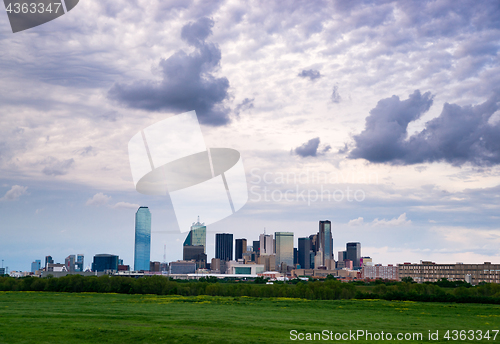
[142, 252]
[284, 248]
[197, 236]
[69, 262]
[79, 262]
[240, 247]
[195, 253]
[304, 258]
[106, 262]
[256, 246]
[36, 265]
[224, 246]
[266, 244]
[325, 241]
[48, 260]
[353, 252]
[314, 243]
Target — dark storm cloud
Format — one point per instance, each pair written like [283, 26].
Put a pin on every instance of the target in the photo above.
[187, 83]
[311, 148]
[310, 73]
[459, 135]
[56, 167]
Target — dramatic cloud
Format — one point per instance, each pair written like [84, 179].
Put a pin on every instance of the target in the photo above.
[246, 104]
[187, 83]
[335, 95]
[311, 148]
[56, 167]
[310, 73]
[459, 135]
[14, 193]
[98, 199]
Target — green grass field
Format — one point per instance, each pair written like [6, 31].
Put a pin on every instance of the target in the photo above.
[37, 317]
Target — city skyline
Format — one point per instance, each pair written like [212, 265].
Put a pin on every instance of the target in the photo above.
[380, 116]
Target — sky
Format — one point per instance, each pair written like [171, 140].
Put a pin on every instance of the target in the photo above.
[380, 116]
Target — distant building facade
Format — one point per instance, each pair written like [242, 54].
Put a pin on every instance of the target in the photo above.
[240, 247]
[353, 252]
[389, 272]
[432, 272]
[284, 248]
[36, 266]
[224, 246]
[197, 236]
[106, 262]
[325, 241]
[304, 253]
[142, 251]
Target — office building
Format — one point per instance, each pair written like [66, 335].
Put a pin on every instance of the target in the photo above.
[182, 267]
[69, 262]
[284, 248]
[240, 247]
[224, 246]
[269, 262]
[266, 244]
[196, 253]
[36, 266]
[142, 252]
[48, 260]
[304, 253]
[314, 243]
[389, 272]
[295, 256]
[432, 272]
[365, 261]
[197, 236]
[353, 252]
[325, 241]
[106, 262]
[256, 246]
[79, 263]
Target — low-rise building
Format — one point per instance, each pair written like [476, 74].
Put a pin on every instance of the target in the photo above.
[389, 272]
[431, 272]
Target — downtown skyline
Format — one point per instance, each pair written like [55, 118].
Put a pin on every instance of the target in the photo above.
[395, 102]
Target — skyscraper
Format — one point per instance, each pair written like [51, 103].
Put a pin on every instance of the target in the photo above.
[197, 236]
[304, 258]
[353, 252]
[224, 246]
[36, 265]
[69, 262]
[266, 244]
[107, 262]
[142, 250]
[284, 248]
[79, 262]
[48, 260]
[325, 240]
[240, 247]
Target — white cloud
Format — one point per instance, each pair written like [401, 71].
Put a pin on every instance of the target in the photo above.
[400, 221]
[14, 193]
[98, 199]
[357, 222]
[126, 205]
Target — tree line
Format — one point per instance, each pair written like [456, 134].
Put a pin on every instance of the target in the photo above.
[329, 289]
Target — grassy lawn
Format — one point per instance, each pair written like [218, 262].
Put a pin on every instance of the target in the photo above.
[35, 317]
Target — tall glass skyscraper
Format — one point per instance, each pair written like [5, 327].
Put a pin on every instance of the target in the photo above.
[197, 236]
[325, 240]
[284, 248]
[353, 252]
[142, 239]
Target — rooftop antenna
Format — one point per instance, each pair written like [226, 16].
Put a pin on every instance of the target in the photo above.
[198, 218]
